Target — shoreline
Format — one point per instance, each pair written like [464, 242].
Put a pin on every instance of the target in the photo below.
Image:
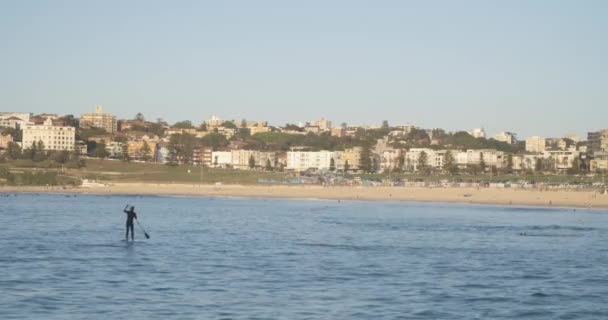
[488, 196]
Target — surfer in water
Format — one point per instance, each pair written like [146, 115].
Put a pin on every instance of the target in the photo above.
[130, 216]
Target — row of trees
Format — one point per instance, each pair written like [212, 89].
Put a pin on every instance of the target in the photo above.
[37, 153]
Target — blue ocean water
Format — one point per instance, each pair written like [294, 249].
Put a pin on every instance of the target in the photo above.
[62, 257]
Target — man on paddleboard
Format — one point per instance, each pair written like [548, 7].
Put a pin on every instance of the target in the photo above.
[130, 216]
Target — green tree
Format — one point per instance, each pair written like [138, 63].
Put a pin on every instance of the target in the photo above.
[181, 147]
[268, 165]
[509, 162]
[449, 164]
[16, 134]
[482, 163]
[13, 150]
[576, 166]
[346, 166]
[243, 123]
[139, 116]
[229, 125]
[538, 166]
[71, 121]
[400, 163]
[365, 162]
[187, 124]
[332, 165]
[60, 156]
[214, 140]
[31, 151]
[385, 125]
[145, 151]
[125, 152]
[375, 165]
[251, 162]
[422, 164]
[100, 150]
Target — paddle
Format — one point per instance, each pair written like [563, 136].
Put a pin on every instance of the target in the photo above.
[142, 229]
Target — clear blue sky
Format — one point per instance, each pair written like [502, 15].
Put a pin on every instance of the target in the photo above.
[533, 67]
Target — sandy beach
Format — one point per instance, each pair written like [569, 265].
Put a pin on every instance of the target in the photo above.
[516, 197]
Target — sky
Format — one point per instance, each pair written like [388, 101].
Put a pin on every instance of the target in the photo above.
[526, 66]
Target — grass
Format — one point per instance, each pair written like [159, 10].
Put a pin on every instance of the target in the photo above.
[120, 171]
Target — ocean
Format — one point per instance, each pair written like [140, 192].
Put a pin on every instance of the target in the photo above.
[64, 257]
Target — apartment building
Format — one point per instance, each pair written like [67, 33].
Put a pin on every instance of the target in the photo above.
[597, 141]
[507, 137]
[535, 144]
[304, 160]
[323, 124]
[54, 138]
[221, 159]
[15, 120]
[478, 133]
[99, 119]
[434, 158]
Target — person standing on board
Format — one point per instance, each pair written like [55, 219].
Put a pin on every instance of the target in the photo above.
[130, 216]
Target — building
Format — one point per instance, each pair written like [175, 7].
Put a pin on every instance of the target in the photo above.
[434, 158]
[562, 160]
[21, 115]
[351, 156]
[255, 130]
[535, 144]
[115, 149]
[338, 132]
[54, 138]
[491, 157]
[597, 141]
[214, 122]
[81, 148]
[304, 160]
[507, 137]
[171, 131]
[14, 120]
[99, 119]
[221, 159]
[5, 140]
[323, 124]
[596, 165]
[141, 150]
[478, 133]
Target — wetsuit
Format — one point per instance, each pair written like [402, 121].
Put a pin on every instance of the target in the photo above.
[130, 216]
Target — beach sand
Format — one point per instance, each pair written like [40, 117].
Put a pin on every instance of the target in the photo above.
[515, 197]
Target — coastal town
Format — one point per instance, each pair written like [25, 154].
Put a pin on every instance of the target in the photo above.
[315, 146]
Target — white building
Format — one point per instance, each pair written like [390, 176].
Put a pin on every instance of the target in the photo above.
[535, 144]
[491, 157]
[304, 160]
[221, 159]
[478, 133]
[562, 160]
[115, 149]
[53, 137]
[434, 158]
[507, 137]
[214, 122]
[15, 120]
